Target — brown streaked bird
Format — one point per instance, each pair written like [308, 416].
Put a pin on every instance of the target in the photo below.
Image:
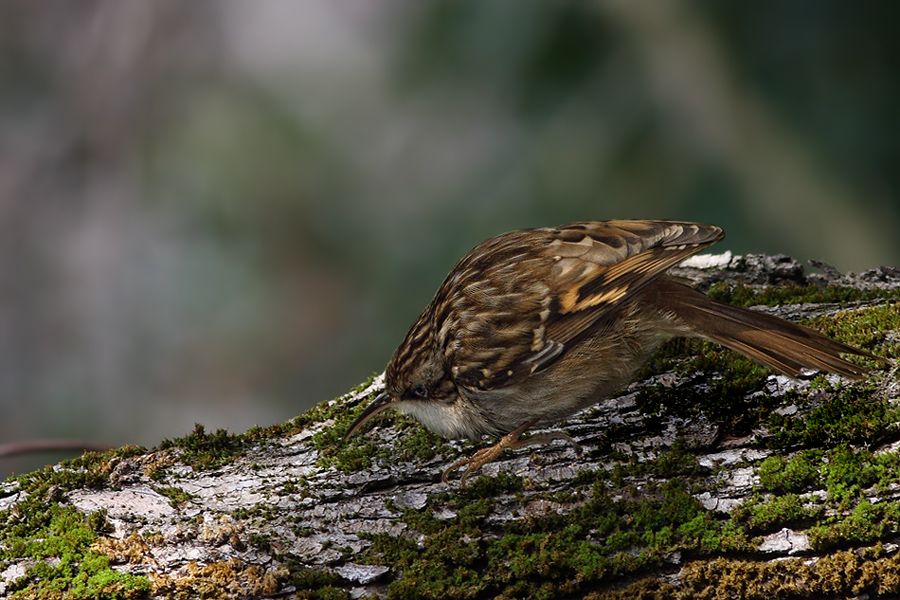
[534, 325]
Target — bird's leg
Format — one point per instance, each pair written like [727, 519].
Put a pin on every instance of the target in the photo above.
[546, 438]
[511, 440]
[485, 455]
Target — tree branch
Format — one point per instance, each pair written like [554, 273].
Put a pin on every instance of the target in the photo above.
[707, 476]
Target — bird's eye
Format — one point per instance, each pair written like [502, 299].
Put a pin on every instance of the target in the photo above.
[418, 391]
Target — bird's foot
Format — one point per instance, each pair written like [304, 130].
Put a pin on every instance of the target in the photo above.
[512, 441]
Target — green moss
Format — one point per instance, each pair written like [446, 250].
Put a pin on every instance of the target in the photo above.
[293, 488]
[743, 295]
[849, 413]
[414, 443]
[202, 450]
[849, 471]
[886, 467]
[176, 495]
[552, 555]
[352, 455]
[718, 386]
[264, 511]
[417, 443]
[799, 473]
[312, 584]
[676, 461]
[355, 456]
[59, 538]
[98, 522]
[719, 381]
[866, 523]
[493, 486]
[324, 411]
[845, 472]
[865, 328]
[90, 470]
[843, 574]
[762, 516]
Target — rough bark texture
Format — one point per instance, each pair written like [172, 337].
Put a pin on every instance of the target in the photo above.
[707, 478]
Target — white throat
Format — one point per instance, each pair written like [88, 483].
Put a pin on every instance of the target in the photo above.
[446, 420]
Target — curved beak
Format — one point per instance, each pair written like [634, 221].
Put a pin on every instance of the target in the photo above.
[381, 403]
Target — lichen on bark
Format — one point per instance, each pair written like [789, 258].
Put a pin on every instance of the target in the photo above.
[707, 477]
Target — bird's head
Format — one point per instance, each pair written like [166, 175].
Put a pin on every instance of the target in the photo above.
[415, 374]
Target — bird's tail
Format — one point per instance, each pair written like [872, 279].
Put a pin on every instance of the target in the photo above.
[779, 344]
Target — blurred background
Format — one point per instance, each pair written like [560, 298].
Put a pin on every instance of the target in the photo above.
[224, 212]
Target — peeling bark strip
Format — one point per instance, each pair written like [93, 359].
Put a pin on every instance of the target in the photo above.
[708, 478]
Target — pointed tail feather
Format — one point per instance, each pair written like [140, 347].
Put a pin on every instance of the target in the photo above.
[781, 345]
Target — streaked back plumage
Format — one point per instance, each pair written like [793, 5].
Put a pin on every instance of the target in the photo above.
[520, 312]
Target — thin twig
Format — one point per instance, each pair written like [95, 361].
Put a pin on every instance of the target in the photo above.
[49, 445]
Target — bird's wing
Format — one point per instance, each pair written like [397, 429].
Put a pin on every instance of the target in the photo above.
[539, 292]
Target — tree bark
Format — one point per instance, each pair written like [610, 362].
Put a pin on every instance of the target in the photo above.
[708, 477]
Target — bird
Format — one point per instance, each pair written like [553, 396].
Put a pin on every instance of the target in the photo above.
[533, 325]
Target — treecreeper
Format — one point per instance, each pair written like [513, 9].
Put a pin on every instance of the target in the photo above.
[534, 325]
